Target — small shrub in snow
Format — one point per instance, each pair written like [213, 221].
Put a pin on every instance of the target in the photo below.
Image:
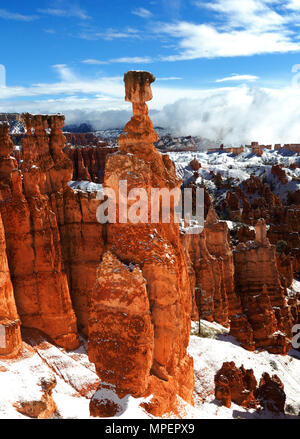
[291, 410]
[273, 365]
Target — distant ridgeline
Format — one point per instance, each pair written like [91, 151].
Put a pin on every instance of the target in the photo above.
[167, 142]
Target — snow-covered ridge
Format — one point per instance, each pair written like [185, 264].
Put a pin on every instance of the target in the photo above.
[85, 186]
[240, 168]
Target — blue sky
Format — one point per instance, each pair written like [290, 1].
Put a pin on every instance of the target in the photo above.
[69, 56]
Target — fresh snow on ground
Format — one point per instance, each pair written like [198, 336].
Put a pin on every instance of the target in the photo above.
[296, 285]
[294, 288]
[240, 168]
[20, 379]
[85, 186]
[209, 355]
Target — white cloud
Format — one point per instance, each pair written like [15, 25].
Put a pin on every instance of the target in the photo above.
[205, 41]
[294, 5]
[250, 14]
[142, 12]
[110, 34]
[125, 60]
[235, 115]
[69, 84]
[68, 11]
[234, 77]
[64, 72]
[133, 60]
[92, 61]
[241, 28]
[7, 15]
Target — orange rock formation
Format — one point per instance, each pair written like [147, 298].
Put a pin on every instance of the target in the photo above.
[156, 349]
[235, 385]
[32, 237]
[89, 162]
[262, 295]
[213, 271]
[10, 336]
[270, 393]
[137, 304]
[240, 386]
[82, 247]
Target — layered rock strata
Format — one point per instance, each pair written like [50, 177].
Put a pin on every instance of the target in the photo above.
[82, 242]
[10, 336]
[156, 348]
[212, 271]
[32, 236]
[262, 296]
[89, 162]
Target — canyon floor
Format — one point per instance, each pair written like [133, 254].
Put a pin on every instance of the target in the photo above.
[77, 380]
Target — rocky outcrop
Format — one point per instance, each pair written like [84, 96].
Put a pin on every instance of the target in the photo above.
[132, 285]
[213, 271]
[245, 234]
[233, 202]
[165, 370]
[242, 330]
[294, 303]
[83, 139]
[82, 244]
[10, 336]
[250, 201]
[262, 295]
[207, 279]
[235, 385]
[285, 226]
[120, 324]
[195, 165]
[7, 163]
[44, 408]
[253, 199]
[239, 386]
[89, 162]
[218, 244]
[285, 269]
[270, 393]
[279, 173]
[294, 198]
[32, 236]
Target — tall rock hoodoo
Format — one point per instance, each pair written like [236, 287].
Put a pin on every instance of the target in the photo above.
[212, 270]
[142, 286]
[262, 296]
[10, 336]
[7, 163]
[32, 236]
[82, 246]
